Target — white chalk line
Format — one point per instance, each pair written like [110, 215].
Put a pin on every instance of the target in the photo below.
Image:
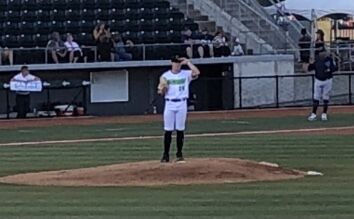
[93, 140]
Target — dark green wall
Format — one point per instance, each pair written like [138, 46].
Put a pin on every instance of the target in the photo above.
[214, 90]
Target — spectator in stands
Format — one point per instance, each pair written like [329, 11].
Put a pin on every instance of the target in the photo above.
[56, 48]
[304, 45]
[238, 50]
[74, 50]
[351, 53]
[104, 42]
[6, 56]
[206, 40]
[120, 52]
[23, 97]
[320, 44]
[221, 47]
[100, 30]
[194, 48]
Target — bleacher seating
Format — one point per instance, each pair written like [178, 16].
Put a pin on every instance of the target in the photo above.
[28, 23]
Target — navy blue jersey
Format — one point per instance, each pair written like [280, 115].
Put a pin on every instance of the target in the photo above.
[323, 67]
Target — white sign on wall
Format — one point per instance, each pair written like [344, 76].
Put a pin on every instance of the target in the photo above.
[109, 86]
[29, 86]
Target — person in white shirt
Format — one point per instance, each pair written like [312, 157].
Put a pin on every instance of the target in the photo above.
[174, 86]
[23, 97]
[220, 45]
[237, 51]
[73, 48]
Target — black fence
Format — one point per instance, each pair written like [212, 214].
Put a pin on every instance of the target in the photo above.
[208, 93]
[288, 90]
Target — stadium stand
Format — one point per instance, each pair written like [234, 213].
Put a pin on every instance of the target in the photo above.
[29, 23]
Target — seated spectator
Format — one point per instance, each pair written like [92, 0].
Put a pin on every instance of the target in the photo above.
[56, 48]
[73, 49]
[194, 48]
[221, 47]
[120, 52]
[6, 56]
[206, 40]
[104, 42]
[237, 51]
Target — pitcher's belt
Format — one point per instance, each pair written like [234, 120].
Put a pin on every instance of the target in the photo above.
[176, 100]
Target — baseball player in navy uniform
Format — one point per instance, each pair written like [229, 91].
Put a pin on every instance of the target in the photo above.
[324, 66]
[174, 86]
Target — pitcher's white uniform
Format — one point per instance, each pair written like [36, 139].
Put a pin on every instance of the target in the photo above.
[176, 97]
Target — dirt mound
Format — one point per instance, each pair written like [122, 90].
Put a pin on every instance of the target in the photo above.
[153, 173]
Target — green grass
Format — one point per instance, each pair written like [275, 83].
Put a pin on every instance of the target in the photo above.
[119, 130]
[330, 196]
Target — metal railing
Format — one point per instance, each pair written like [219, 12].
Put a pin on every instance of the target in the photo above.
[343, 54]
[265, 24]
[41, 55]
[139, 52]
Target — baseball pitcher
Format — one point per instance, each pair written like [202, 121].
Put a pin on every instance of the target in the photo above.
[174, 86]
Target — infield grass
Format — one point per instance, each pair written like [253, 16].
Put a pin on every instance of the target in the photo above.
[327, 197]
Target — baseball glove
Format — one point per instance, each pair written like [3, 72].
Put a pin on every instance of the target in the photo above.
[163, 86]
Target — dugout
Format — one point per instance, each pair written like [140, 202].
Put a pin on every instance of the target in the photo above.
[129, 88]
[120, 90]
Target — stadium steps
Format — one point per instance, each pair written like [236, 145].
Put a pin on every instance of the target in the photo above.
[256, 19]
[202, 20]
[224, 21]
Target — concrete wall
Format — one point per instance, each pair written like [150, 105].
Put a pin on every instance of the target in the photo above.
[296, 90]
[261, 91]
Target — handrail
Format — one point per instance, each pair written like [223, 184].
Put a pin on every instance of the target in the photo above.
[297, 27]
[142, 47]
[269, 21]
[347, 47]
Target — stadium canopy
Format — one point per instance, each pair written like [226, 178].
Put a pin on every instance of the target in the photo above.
[324, 8]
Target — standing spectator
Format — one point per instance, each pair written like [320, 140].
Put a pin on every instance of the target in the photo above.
[221, 47]
[100, 30]
[237, 51]
[73, 49]
[194, 47]
[351, 53]
[56, 48]
[120, 52]
[23, 97]
[104, 42]
[6, 56]
[305, 45]
[105, 49]
[320, 44]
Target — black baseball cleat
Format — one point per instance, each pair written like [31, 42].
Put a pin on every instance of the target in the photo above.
[180, 159]
[165, 159]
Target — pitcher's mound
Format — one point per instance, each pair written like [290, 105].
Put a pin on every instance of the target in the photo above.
[153, 173]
